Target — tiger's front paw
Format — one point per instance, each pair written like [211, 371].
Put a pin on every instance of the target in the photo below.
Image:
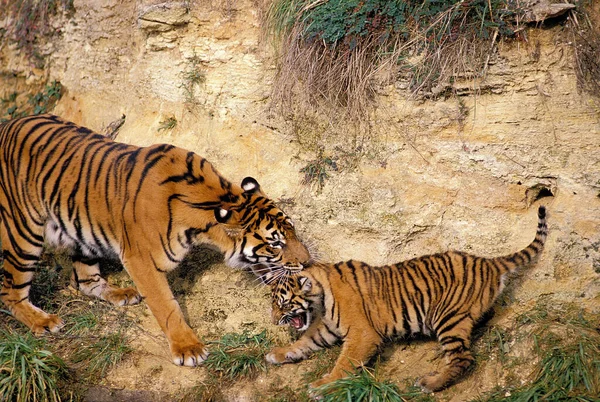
[283, 355]
[121, 296]
[50, 323]
[190, 355]
[38, 321]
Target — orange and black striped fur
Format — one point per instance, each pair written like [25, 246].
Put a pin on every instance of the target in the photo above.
[442, 295]
[64, 185]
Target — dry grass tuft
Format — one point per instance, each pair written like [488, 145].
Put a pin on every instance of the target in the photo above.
[585, 38]
[340, 52]
[334, 57]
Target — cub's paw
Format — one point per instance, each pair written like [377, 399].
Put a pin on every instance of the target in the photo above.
[283, 355]
[430, 382]
[121, 296]
[190, 355]
[276, 356]
[46, 323]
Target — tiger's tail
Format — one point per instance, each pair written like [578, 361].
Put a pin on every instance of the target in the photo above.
[522, 258]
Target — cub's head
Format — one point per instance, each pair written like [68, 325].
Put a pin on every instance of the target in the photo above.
[263, 235]
[293, 302]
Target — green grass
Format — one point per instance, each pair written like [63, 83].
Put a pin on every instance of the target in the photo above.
[28, 372]
[82, 323]
[102, 355]
[237, 355]
[323, 362]
[567, 348]
[367, 386]
[209, 392]
[286, 394]
[42, 365]
[566, 373]
[495, 341]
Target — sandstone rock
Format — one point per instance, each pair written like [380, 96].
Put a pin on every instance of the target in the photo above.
[163, 17]
[540, 10]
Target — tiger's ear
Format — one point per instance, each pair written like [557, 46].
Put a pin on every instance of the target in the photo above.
[250, 185]
[305, 284]
[222, 215]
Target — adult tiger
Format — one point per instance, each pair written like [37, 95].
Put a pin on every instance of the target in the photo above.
[146, 206]
[442, 295]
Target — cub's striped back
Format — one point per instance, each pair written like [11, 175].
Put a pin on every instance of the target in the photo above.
[443, 295]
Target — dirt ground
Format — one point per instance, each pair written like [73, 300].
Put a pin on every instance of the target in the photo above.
[463, 172]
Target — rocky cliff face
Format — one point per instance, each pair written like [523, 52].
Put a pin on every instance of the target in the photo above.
[463, 173]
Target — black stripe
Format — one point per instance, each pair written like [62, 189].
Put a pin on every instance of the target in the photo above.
[21, 286]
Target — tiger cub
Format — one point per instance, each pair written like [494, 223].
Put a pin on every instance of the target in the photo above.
[442, 295]
[64, 185]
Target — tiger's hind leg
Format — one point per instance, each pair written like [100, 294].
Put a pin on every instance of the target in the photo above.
[86, 278]
[456, 343]
[359, 346]
[21, 251]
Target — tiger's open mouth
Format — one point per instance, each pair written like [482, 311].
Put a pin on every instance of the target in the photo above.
[298, 320]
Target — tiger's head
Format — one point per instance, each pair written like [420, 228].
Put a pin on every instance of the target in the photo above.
[263, 235]
[293, 302]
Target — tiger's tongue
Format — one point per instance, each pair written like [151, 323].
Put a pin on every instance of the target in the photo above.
[297, 322]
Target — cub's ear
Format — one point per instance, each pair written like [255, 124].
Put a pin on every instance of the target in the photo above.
[305, 284]
[222, 215]
[250, 185]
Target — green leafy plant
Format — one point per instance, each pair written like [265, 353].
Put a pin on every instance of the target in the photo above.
[28, 372]
[239, 355]
[42, 101]
[11, 107]
[168, 124]
[193, 76]
[316, 171]
[45, 100]
[9, 104]
[102, 355]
